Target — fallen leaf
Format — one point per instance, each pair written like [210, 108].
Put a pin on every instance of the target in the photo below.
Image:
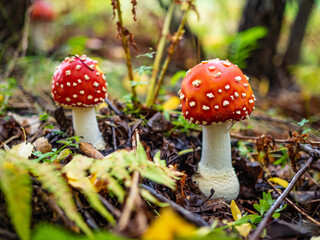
[279, 181]
[171, 104]
[169, 226]
[23, 149]
[243, 229]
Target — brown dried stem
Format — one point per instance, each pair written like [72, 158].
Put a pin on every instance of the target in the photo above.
[176, 39]
[285, 193]
[123, 32]
[295, 206]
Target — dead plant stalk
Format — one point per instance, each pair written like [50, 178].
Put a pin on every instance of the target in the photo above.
[126, 48]
[176, 39]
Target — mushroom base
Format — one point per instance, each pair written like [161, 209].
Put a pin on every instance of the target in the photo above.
[224, 183]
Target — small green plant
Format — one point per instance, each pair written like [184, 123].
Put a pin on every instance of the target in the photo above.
[283, 159]
[244, 149]
[265, 203]
[6, 90]
[44, 118]
[302, 124]
[57, 155]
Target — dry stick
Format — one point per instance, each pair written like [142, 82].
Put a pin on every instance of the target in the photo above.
[191, 217]
[134, 193]
[177, 36]
[295, 206]
[113, 107]
[126, 48]
[115, 212]
[158, 57]
[285, 193]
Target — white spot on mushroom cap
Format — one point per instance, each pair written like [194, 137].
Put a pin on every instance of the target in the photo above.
[181, 96]
[188, 72]
[204, 62]
[211, 68]
[243, 95]
[81, 92]
[86, 77]
[89, 97]
[74, 84]
[104, 77]
[79, 103]
[218, 74]
[68, 84]
[251, 101]
[61, 85]
[98, 73]
[196, 83]
[78, 67]
[104, 89]
[219, 90]
[204, 107]
[227, 87]
[232, 98]
[226, 63]
[96, 99]
[192, 103]
[236, 94]
[238, 112]
[204, 122]
[246, 85]
[91, 66]
[238, 78]
[210, 95]
[186, 113]
[74, 95]
[68, 99]
[96, 84]
[68, 72]
[216, 107]
[225, 103]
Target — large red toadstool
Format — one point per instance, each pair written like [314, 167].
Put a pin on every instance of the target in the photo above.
[79, 84]
[216, 94]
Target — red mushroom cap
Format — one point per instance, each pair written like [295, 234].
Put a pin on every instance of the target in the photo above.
[78, 82]
[216, 91]
[42, 10]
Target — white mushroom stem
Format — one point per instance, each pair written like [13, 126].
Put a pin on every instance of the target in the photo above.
[215, 169]
[85, 125]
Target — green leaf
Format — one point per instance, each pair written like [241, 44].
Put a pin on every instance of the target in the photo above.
[16, 186]
[53, 182]
[49, 232]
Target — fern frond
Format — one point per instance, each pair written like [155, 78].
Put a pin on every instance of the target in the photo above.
[16, 185]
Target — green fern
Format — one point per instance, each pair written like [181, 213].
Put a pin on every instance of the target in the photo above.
[115, 169]
[16, 186]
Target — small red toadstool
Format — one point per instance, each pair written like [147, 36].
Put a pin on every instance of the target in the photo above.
[215, 94]
[41, 29]
[79, 84]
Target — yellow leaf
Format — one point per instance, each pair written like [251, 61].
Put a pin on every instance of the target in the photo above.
[236, 214]
[168, 226]
[172, 104]
[279, 181]
[23, 149]
[1, 98]
[244, 229]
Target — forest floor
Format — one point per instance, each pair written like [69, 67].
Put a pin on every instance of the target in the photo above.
[267, 152]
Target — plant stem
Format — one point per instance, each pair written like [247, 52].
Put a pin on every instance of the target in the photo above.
[165, 65]
[160, 50]
[125, 48]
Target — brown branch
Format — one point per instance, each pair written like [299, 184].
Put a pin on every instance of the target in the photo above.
[285, 193]
[191, 217]
[295, 206]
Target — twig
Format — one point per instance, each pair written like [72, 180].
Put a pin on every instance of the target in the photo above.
[311, 151]
[134, 193]
[254, 138]
[160, 49]
[295, 206]
[114, 138]
[126, 48]
[191, 217]
[174, 43]
[285, 193]
[90, 151]
[115, 212]
[113, 107]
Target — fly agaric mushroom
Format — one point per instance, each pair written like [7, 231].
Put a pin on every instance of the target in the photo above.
[79, 84]
[42, 17]
[216, 94]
